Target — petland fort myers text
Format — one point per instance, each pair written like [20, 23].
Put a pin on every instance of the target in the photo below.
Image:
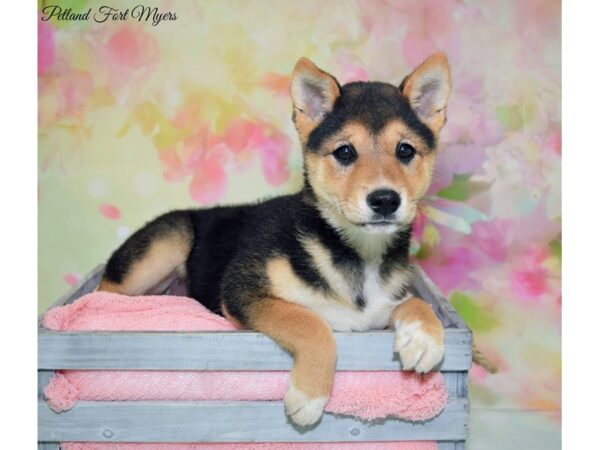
[105, 13]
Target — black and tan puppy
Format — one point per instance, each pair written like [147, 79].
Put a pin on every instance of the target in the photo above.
[333, 256]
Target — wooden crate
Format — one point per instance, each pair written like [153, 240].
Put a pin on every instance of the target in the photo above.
[189, 421]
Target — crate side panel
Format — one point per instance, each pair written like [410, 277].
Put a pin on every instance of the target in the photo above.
[430, 292]
[48, 446]
[86, 285]
[43, 378]
[451, 445]
[222, 351]
[230, 422]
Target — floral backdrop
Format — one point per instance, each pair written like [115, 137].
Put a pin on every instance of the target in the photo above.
[136, 119]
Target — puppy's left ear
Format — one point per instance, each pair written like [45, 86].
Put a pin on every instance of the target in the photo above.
[314, 93]
[427, 89]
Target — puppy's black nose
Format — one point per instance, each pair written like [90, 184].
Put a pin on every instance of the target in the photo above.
[383, 201]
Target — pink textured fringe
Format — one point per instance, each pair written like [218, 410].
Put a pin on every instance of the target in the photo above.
[367, 395]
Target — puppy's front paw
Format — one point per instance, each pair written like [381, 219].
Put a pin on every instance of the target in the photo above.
[303, 410]
[421, 347]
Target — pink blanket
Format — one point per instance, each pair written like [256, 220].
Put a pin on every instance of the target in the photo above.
[367, 395]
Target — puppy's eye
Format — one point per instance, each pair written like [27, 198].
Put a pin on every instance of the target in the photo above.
[405, 152]
[345, 154]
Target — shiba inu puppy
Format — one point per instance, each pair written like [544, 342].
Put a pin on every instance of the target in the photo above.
[334, 256]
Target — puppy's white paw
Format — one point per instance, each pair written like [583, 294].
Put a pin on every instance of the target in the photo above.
[418, 348]
[303, 410]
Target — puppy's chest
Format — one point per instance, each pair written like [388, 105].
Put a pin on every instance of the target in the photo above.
[353, 300]
[380, 296]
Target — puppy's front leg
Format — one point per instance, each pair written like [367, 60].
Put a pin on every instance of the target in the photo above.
[419, 335]
[310, 341]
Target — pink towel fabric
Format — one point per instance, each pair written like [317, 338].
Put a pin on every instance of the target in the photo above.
[366, 395]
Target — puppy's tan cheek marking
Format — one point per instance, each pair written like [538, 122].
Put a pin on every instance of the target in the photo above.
[329, 181]
[319, 175]
[367, 169]
[417, 310]
[306, 336]
[414, 180]
[415, 177]
[345, 183]
[424, 175]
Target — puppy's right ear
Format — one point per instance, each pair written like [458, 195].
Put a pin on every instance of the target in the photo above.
[313, 92]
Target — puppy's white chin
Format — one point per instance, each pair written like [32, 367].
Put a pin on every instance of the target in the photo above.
[381, 229]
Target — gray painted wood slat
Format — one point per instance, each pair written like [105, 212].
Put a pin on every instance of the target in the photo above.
[86, 285]
[231, 422]
[443, 445]
[455, 445]
[43, 378]
[462, 388]
[456, 383]
[227, 350]
[48, 446]
[429, 290]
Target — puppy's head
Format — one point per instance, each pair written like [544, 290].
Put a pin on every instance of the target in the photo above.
[369, 147]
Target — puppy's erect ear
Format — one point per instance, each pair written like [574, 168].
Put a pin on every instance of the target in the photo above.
[313, 92]
[428, 88]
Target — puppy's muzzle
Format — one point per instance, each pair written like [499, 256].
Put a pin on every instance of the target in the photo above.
[384, 201]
